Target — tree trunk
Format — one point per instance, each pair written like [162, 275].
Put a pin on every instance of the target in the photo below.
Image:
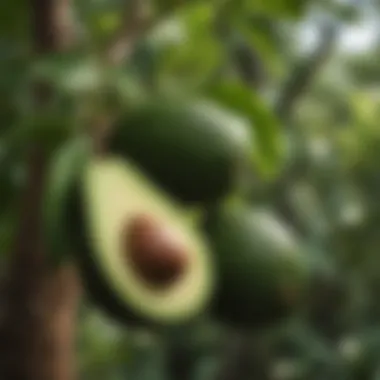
[38, 316]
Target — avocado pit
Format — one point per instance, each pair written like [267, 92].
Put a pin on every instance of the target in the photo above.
[157, 252]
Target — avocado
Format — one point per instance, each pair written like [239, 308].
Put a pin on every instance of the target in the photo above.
[141, 257]
[195, 150]
[260, 264]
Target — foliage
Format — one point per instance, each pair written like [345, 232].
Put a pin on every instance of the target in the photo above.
[318, 167]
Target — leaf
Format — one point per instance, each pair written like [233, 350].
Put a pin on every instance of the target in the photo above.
[187, 50]
[282, 8]
[12, 168]
[14, 19]
[262, 37]
[64, 171]
[275, 8]
[70, 73]
[165, 7]
[101, 19]
[269, 140]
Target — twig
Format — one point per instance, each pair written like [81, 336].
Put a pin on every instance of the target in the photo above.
[298, 83]
[304, 73]
[137, 20]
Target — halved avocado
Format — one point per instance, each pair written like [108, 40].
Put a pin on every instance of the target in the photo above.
[141, 258]
[197, 151]
[261, 266]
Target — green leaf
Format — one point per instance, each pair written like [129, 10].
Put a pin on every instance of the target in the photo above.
[12, 168]
[283, 8]
[14, 19]
[186, 48]
[274, 8]
[269, 139]
[64, 171]
[262, 37]
[70, 73]
[101, 19]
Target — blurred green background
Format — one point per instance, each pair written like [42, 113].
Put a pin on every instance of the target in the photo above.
[307, 74]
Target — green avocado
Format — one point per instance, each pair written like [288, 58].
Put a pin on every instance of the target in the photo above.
[195, 150]
[261, 266]
[141, 257]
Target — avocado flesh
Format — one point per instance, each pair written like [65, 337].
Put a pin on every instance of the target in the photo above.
[196, 151]
[261, 267]
[112, 191]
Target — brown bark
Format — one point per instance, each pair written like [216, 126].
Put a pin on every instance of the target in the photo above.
[52, 26]
[38, 316]
[40, 303]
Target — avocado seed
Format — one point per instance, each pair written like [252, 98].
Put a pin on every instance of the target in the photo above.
[156, 251]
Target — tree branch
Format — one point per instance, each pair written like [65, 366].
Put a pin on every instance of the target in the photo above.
[297, 85]
[40, 303]
[52, 25]
[304, 73]
[137, 20]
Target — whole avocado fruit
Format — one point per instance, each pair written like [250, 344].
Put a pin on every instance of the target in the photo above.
[141, 257]
[195, 150]
[261, 267]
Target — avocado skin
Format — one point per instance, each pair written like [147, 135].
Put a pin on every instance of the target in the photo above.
[251, 263]
[195, 152]
[97, 287]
